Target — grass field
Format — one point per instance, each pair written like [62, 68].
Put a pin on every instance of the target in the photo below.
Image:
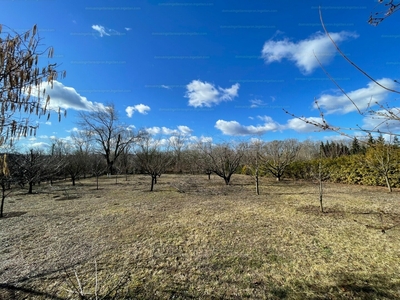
[198, 239]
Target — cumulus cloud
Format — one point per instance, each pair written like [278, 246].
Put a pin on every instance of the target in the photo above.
[362, 98]
[234, 128]
[206, 94]
[168, 131]
[302, 52]
[153, 130]
[100, 29]
[39, 145]
[141, 108]
[302, 126]
[185, 129]
[65, 97]
[201, 139]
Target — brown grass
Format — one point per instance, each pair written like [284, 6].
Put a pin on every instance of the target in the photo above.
[197, 239]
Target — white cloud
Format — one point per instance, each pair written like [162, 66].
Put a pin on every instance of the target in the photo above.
[65, 97]
[108, 32]
[39, 145]
[236, 129]
[100, 29]
[202, 139]
[206, 94]
[165, 86]
[48, 123]
[168, 131]
[302, 52]
[153, 130]
[185, 129]
[141, 108]
[256, 103]
[302, 126]
[128, 29]
[362, 98]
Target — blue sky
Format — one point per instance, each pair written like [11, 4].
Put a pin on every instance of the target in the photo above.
[217, 70]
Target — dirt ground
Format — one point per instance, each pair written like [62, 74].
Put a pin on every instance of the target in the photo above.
[194, 238]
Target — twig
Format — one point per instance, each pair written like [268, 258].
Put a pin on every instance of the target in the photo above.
[349, 60]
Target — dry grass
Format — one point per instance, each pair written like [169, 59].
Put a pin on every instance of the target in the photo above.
[199, 239]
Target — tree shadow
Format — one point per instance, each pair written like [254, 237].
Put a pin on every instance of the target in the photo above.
[13, 214]
[10, 291]
[359, 286]
[29, 286]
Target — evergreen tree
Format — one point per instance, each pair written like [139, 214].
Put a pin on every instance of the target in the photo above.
[355, 146]
[396, 142]
[380, 140]
[370, 140]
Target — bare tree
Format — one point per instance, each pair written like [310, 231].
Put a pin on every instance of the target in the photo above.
[178, 144]
[224, 158]
[84, 147]
[110, 137]
[76, 164]
[277, 155]
[30, 167]
[201, 160]
[97, 166]
[321, 173]
[21, 78]
[252, 162]
[126, 161]
[153, 158]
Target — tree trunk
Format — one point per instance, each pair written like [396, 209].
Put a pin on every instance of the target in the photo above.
[320, 196]
[388, 183]
[227, 179]
[257, 189]
[209, 176]
[153, 178]
[110, 167]
[30, 191]
[97, 182]
[3, 197]
[320, 186]
[73, 180]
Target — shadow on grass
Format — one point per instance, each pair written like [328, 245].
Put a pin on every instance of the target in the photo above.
[357, 286]
[13, 214]
[316, 211]
[32, 287]
[9, 291]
